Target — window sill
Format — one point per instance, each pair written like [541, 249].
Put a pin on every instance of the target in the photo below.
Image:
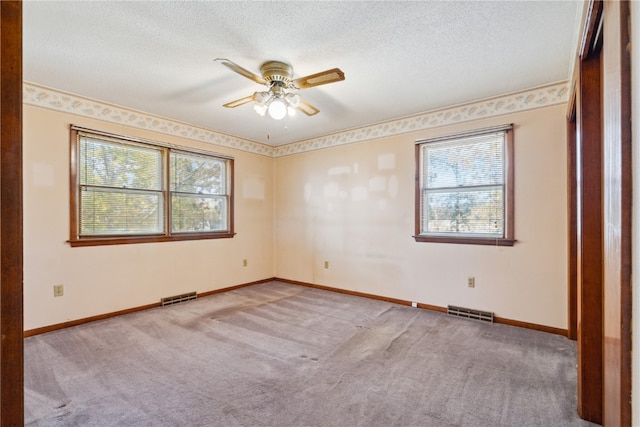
[489, 241]
[101, 241]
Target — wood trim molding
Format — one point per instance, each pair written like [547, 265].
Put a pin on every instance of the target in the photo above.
[486, 241]
[533, 326]
[617, 213]
[11, 243]
[572, 230]
[571, 106]
[589, 240]
[83, 242]
[496, 319]
[77, 322]
[590, 300]
[500, 320]
[353, 293]
[231, 288]
[592, 28]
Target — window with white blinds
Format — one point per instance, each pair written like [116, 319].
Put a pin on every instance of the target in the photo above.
[120, 188]
[464, 190]
[126, 190]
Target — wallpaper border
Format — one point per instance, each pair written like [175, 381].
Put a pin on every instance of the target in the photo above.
[543, 96]
[41, 96]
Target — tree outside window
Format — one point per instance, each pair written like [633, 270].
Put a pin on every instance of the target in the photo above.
[130, 191]
[464, 190]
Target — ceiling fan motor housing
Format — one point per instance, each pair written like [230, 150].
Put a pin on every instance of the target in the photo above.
[276, 71]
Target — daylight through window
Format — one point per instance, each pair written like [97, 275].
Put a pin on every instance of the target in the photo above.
[464, 190]
[126, 190]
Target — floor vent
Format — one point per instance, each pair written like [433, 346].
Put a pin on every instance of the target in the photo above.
[178, 298]
[470, 313]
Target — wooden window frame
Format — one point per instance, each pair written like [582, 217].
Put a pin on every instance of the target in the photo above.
[508, 238]
[75, 240]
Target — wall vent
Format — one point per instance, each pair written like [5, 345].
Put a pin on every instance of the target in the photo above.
[469, 313]
[178, 298]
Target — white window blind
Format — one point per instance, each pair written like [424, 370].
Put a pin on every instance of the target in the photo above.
[130, 190]
[120, 188]
[462, 185]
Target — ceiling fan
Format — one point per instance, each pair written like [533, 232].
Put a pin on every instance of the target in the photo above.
[281, 97]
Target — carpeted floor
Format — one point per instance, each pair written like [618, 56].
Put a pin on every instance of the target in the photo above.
[282, 355]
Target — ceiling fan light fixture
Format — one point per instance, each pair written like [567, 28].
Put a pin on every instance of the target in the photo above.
[278, 77]
[261, 109]
[277, 109]
[261, 98]
[293, 99]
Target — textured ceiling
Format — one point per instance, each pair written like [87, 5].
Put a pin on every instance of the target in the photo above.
[399, 58]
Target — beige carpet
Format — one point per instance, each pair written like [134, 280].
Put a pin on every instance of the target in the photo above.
[277, 354]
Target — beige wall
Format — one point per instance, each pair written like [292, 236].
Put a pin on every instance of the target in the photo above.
[104, 279]
[353, 206]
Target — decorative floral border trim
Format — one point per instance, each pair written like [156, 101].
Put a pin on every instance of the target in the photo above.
[543, 96]
[41, 96]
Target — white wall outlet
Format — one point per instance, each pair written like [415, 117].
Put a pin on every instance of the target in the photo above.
[414, 304]
[471, 282]
[326, 264]
[58, 290]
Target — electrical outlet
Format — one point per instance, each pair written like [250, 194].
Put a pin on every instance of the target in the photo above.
[326, 264]
[414, 304]
[244, 263]
[58, 290]
[471, 282]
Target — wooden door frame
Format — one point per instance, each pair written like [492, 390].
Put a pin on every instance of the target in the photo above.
[589, 240]
[614, 96]
[617, 212]
[11, 235]
[585, 226]
[572, 217]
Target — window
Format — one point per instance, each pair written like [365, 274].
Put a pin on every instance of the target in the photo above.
[464, 188]
[198, 193]
[127, 190]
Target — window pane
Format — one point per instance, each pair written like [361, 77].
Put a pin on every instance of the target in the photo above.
[110, 164]
[192, 213]
[120, 212]
[466, 162]
[464, 212]
[130, 190]
[197, 174]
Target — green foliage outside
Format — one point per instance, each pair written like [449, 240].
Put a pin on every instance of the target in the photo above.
[198, 188]
[122, 190]
[464, 188]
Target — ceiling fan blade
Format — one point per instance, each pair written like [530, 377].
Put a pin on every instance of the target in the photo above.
[307, 108]
[322, 78]
[242, 71]
[239, 102]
